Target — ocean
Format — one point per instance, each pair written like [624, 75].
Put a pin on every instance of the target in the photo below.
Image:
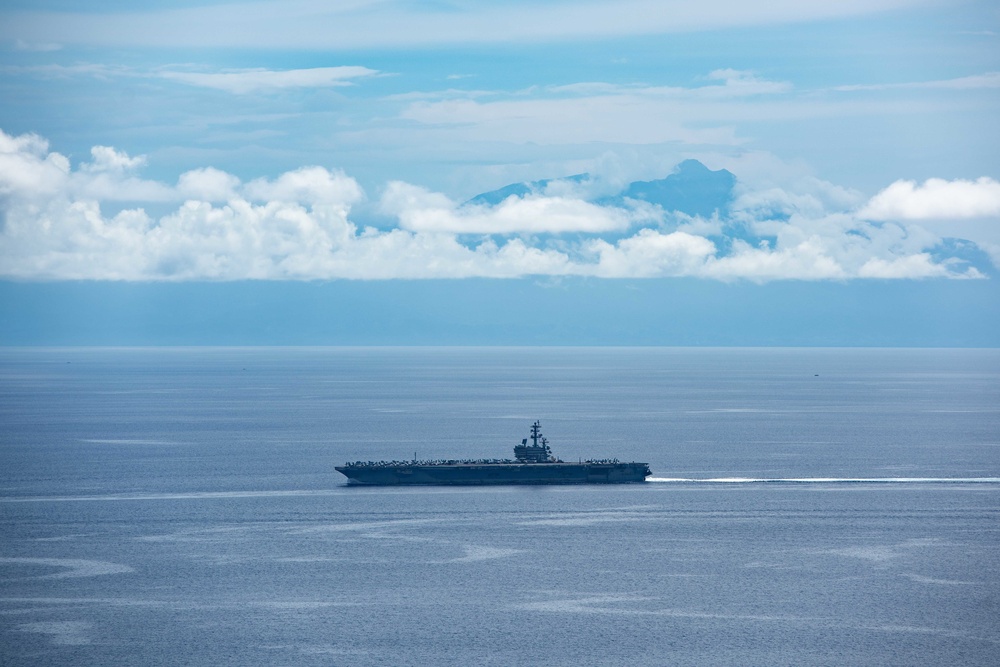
[807, 507]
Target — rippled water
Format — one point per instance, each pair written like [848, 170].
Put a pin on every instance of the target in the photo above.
[808, 507]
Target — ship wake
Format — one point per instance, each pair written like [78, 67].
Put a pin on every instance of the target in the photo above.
[826, 480]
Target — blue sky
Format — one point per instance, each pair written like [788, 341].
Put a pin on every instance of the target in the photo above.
[282, 144]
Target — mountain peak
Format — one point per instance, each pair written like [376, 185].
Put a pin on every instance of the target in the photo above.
[691, 188]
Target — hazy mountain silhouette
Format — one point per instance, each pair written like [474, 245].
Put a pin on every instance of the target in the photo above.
[494, 197]
[692, 188]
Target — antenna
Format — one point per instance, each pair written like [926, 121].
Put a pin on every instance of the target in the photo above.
[536, 433]
[538, 451]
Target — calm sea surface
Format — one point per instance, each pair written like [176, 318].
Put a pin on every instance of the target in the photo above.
[179, 506]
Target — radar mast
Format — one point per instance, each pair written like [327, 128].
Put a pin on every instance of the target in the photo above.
[538, 451]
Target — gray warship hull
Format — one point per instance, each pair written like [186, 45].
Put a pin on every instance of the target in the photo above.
[533, 464]
[473, 474]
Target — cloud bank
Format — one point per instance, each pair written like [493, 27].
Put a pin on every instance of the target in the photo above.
[299, 226]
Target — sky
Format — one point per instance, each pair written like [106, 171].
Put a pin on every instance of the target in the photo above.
[299, 172]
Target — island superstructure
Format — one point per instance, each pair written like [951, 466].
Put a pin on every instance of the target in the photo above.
[533, 464]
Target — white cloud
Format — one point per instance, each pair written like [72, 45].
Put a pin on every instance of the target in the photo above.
[207, 184]
[632, 117]
[959, 208]
[650, 253]
[972, 82]
[422, 211]
[741, 83]
[27, 168]
[245, 81]
[107, 159]
[706, 113]
[298, 226]
[726, 109]
[110, 176]
[936, 198]
[313, 185]
[735, 84]
[807, 260]
[770, 188]
[235, 81]
[912, 266]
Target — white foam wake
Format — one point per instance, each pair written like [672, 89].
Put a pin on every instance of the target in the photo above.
[828, 480]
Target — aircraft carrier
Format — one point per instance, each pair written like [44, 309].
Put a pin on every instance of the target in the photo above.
[532, 464]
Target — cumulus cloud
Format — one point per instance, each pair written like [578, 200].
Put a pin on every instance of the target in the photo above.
[313, 185]
[806, 260]
[650, 253]
[208, 184]
[935, 199]
[298, 226]
[107, 159]
[960, 208]
[420, 210]
[912, 266]
[26, 166]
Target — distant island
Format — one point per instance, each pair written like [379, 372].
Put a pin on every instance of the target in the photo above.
[692, 188]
